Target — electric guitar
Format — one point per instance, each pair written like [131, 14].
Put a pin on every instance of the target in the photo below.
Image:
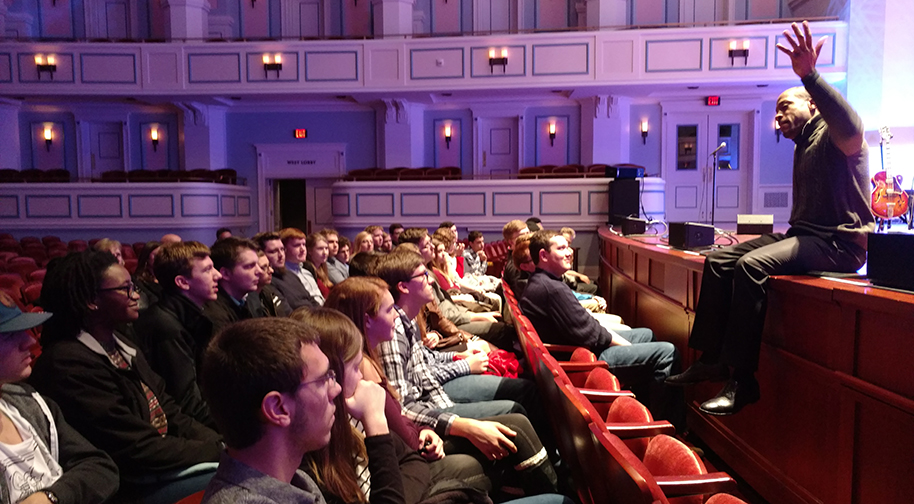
[888, 198]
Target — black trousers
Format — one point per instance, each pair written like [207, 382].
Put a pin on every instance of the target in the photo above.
[731, 306]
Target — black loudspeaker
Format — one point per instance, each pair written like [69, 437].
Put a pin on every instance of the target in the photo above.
[624, 200]
[624, 172]
[690, 235]
[632, 226]
[890, 262]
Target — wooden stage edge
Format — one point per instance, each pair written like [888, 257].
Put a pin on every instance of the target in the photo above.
[836, 420]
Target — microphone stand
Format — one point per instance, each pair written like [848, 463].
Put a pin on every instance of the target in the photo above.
[714, 185]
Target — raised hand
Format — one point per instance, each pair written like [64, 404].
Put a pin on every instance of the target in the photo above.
[803, 54]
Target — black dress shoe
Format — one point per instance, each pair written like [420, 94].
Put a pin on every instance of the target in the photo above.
[734, 396]
[699, 372]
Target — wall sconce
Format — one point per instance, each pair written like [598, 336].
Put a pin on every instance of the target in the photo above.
[275, 64]
[447, 135]
[644, 128]
[503, 61]
[48, 65]
[552, 133]
[48, 137]
[777, 130]
[154, 136]
[733, 52]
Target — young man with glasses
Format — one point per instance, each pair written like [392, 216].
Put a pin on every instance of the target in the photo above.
[174, 332]
[271, 391]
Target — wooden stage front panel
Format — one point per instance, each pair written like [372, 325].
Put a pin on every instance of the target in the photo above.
[836, 420]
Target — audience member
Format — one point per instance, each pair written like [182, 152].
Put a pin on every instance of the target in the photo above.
[337, 269]
[534, 224]
[363, 264]
[237, 263]
[44, 460]
[395, 229]
[362, 243]
[272, 393]
[483, 324]
[386, 243]
[285, 281]
[112, 246]
[633, 356]
[268, 302]
[105, 387]
[369, 304]
[169, 238]
[345, 251]
[512, 230]
[222, 233]
[297, 265]
[475, 261]
[144, 277]
[341, 468]
[318, 253]
[174, 332]
[377, 236]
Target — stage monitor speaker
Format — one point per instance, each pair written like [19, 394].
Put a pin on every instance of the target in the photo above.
[624, 172]
[624, 200]
[690, 235]
[633, 226]
[890, 262]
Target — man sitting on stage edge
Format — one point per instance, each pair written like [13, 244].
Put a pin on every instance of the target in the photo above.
[632, 354]
[829, 222]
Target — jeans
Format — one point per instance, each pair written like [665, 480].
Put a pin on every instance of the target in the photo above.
[642, 367]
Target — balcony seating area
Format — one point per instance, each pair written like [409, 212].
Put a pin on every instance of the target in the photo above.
[617, 454]
[223, 176]
[564, 171]
[402, 173]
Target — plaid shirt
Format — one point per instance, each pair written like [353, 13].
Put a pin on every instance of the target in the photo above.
[472, 264]
[406, 364]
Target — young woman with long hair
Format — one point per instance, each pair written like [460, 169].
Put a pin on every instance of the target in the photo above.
[318, 252]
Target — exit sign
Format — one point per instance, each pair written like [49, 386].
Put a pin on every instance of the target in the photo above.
[712, 101]
[301, 133]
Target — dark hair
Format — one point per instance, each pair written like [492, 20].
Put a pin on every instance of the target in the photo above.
[534, 224]
[245, 362]
[222, 230]
[226, 252]
[540, 241]
[261, 239]
[334, 465]
[446, 224]
[329, 231]
[473, 235]
[397, 267]
[412, 235]
[344, 242]
[363, 264]
[143, 272]
[395, 225]
[69, 287]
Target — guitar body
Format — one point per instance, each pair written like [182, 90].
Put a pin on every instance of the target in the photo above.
[888, 200]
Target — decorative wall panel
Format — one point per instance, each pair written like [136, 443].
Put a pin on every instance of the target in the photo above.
[442, 63]
[673, 55]
[332, 66]
[213, 68]
[108, 68]
[99, 206]
[561, 59]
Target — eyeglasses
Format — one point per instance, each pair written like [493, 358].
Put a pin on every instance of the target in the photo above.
[423, 274]
[328, 377]
[130, 288]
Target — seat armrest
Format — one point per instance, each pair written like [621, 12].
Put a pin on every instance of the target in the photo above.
[639, 430]
[701, 484]
[604, 396]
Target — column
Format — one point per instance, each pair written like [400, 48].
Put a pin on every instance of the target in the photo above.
[10, 155]
[204, 137]
[400, 134]
[605, 129]
[187, 19]
[393, 18]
